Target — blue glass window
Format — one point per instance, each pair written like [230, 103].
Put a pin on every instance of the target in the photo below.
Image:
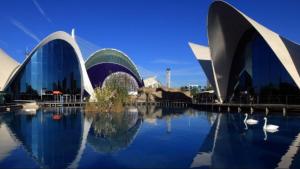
[258, 76]
[54, 66]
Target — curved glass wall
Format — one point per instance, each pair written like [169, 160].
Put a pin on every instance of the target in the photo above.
[53, 66]
[258, 76]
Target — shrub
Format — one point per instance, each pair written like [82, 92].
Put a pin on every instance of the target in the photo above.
[110, 98]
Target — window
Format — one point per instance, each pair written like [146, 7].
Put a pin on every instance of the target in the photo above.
[258, 76]
[54, 66]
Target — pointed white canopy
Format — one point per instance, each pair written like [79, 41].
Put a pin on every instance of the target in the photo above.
[7, 68]
[202, 54]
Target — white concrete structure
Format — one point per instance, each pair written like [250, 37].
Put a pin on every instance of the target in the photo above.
[8, 66]
[226, 26]
[202, 54]
[152, 82]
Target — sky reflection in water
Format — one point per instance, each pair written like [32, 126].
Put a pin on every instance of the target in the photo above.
[149, 137]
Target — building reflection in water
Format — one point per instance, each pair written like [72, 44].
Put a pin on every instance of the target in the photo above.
[151, 114]
[230, 145]
[8, 141]
[61, 143]
[51, 143]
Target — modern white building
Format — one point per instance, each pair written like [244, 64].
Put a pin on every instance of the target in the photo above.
[55, 64]
[247, 60]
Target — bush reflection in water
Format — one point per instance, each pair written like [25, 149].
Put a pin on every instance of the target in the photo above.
[110, 132]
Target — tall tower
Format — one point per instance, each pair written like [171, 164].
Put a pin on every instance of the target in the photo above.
[168, 77]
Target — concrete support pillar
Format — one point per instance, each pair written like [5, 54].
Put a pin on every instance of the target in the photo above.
[267, 110]
[251, 110]
[284, 111]
[239, 109]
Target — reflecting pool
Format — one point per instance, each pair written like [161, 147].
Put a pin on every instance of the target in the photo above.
[146, 137]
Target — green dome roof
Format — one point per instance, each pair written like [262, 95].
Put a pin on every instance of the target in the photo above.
[112, 56]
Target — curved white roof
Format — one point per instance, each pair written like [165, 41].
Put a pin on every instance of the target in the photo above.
[226, 26]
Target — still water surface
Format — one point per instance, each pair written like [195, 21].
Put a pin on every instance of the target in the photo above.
[146, 138]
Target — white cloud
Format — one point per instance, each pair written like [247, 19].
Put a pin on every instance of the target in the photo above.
[40, 9]
[20, 26]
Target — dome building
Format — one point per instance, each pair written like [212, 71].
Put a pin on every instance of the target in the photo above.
[107, 64]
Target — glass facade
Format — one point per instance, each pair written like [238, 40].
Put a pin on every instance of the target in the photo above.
[258, 76]
[54, 66]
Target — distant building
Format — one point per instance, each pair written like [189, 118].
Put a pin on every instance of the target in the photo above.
[168, 78]
[152, 82]
[190, 87]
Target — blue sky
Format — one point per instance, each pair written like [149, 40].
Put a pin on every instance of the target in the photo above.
[154, 33]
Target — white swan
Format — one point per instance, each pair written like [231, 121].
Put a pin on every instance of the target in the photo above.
[250, 121]
[270, 127]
